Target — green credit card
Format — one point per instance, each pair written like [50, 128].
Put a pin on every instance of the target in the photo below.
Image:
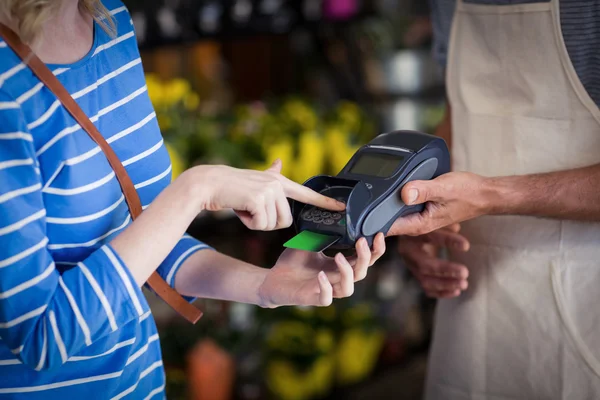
[311, 241]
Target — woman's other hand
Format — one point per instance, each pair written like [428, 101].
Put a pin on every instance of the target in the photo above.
[313, 279]
[259, 198]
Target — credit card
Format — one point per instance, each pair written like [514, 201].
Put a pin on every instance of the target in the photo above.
[311, 241]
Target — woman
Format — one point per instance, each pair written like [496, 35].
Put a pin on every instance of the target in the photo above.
[73, 320]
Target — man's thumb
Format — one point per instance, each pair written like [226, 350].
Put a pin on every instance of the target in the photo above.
[417, 192]
[276, 166]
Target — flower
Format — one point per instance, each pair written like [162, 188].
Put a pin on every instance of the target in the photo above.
[177, 163]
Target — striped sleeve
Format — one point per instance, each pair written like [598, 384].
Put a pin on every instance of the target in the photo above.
[45, 316]
[186, 246]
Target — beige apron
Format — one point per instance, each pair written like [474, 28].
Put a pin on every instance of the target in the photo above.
[529, 325]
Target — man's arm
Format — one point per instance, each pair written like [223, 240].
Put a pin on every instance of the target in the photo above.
[460, 196]
[572, 194]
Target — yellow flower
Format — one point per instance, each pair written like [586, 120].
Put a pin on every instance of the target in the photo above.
[284, 150]
[155, 90]
[289, 383]
[175, 91]
[177, 163]
[311, 157]
[191, 101]
[324, 340]
[357, 354]
[339, 149]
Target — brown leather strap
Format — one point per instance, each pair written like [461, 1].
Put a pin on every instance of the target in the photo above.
[160, 287]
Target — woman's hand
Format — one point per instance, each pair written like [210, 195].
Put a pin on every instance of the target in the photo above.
[312, 279]
[259, 198]
[439, 278]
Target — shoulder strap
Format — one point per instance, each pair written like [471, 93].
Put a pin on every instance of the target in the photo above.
[160, 287]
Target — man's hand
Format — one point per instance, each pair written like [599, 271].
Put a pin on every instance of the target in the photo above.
[439, 278]
[451, 198]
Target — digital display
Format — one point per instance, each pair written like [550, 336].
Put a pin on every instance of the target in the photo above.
[377, 164]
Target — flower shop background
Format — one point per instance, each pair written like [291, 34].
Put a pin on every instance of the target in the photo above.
[243, 82]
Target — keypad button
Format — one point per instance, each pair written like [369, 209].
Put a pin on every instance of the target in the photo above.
[307, 216]
[317, 220]
[316, 213]
[326, 214]
[336, 216]
[328, 221]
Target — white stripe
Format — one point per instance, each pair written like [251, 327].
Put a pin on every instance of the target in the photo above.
[15, 163]
[76, 127]
[80, 320]
[144, 373]
[16, 135]
[121, 102]
[10, 73]
[143, 154]
[146, 315]
[180, 260]
[27, 284]
[106, 78]
[156, 391]
[23, 254]
[3, 44]
[113, 42]
[118, 10]
[100, 294]
[112, 350]
[59, 71]
[57, 338]
[24, 317]
[27, 95]
[91, 242]
[8, 105]
[10, 362]
[50, 180]
[17, 350]
[14, 361]
[44, 349]
[81, 189]
[142, 349]
[67, 131]
[16, 193]
[96, 150]
[25, 221]
[126, 281]
[45, 116]
[85, 218]
[155, 179]
[29, 389]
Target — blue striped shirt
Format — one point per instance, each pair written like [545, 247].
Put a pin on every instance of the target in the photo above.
[580, 23]
[73, 323]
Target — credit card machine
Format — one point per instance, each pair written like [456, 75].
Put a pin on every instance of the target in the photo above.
[370, 185]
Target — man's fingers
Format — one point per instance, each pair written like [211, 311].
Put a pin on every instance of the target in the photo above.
[452, 228]
[305, 195]
[378, 248]
[325, 290]
[434, 294]
[443, 285]
[446, 238]
[411, 225]
[419, 192]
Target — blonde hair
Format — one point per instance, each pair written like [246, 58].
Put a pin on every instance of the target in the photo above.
[29, 15]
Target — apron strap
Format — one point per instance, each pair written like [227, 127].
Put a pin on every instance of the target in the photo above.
[160, 287]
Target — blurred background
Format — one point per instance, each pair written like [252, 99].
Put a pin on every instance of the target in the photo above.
[243, 82]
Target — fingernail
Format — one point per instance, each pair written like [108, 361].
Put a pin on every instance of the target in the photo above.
[413, 194]
[322, 277]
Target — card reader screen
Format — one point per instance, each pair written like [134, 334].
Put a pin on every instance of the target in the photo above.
[377, 164]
